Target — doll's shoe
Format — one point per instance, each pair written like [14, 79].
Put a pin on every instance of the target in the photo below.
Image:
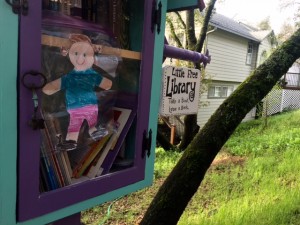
[100, 132]
[65, 145]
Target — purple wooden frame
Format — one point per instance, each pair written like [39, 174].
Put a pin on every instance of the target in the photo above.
[31, 203]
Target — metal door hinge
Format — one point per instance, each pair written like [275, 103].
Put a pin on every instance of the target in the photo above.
[156, 16]
[19, 6]
[147, 141]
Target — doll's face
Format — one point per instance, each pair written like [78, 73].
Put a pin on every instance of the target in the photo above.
[81, 55]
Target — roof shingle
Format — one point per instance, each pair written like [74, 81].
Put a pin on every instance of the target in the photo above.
[232, 26]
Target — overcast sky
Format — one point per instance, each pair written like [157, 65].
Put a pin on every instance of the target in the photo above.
[254, 11]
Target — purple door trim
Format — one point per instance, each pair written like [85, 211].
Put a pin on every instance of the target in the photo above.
[31, 203]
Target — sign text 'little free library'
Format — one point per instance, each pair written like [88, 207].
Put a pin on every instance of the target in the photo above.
[180, 91]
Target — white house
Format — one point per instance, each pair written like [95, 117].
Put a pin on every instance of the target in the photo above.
[236, 50]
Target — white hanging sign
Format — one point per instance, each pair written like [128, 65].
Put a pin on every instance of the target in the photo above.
[180, 91]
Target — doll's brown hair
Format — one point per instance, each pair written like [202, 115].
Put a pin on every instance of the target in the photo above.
[74, 38]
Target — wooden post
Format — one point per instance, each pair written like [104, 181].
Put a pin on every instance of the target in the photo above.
[173, 132]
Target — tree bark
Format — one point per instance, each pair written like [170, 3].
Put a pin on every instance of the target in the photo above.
[164, 143]
[184, 180]
[190, 121]
[202, 36]
[190, 29]
[191, 128]
[172, 30]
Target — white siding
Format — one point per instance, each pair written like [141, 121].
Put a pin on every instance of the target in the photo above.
[205, 112]
[228, 67]
[250, 115]
[266, 46]
[228, 53]
[295, 68]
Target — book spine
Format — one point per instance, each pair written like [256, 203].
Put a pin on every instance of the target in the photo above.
[87, 160]
[102, 12]
[119, 22]
[51, 151]
[84, 6]
[125, 120]
[51, 177]
[65, 7]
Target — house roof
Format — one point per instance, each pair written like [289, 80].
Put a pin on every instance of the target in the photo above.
[261, 34]
[238, 28]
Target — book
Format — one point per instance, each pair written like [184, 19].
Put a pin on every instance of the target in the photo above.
[89, 157]
[65, 7]
[119, 22]
[53, 159]
[55, 163]
[64, 168]
[53, 5]
[121, 118]
[87, 10]
[102, 12]
[47, 172]
[68, 163]
[97, 162]
[75, 8]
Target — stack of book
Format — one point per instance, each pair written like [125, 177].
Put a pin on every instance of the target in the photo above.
[63, 168]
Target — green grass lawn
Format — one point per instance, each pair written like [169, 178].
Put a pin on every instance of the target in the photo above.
[253, 181]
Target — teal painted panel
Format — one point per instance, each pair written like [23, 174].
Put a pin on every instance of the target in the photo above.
[8, 113]
[174, 5]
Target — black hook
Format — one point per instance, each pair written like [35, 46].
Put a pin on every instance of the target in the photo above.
[19, 6]
[33, 81]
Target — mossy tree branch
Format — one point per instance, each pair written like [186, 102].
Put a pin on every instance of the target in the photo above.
[204, 29]
[182, 23]
[190, 29]
[173, 33]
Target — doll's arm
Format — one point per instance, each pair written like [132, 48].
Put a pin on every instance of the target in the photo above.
[52, 87]
[105, 84]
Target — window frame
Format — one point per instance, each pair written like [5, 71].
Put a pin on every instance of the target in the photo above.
[222, 87]
[249, 55]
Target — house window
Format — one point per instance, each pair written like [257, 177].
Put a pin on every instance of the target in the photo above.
[249, 54]
[219, 91]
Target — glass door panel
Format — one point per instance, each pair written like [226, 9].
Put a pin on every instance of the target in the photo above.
[90, 99]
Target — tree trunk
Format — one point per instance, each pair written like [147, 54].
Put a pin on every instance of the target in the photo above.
[190, 130]
[164, 143]
[190, 121]
[184, 180]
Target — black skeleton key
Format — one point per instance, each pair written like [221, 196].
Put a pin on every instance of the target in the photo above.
[36, 123]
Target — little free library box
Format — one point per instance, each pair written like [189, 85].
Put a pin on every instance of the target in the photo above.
[80, 91]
